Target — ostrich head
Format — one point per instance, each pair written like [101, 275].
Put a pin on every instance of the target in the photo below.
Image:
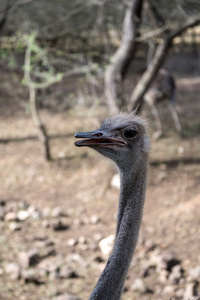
[122, 138]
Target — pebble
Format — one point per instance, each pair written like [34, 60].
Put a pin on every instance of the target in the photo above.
[194, 273]
[29, 258]
[45, 223]
[77, 258]
[169, 289]
[46, 252]
[66, 296]
[13, 270]
[94, 219]
[72, 242]
[59, 224]
[67, 272]
[82, 240]
[98, 237]
[139, 286]
[46, 212]
[176, 274]
[51, 265]
[14, 226]
[2, 202]
[191, 290]
[36, 276]
[106, 244]
[163, 261]
[22, 205]
[57, 212]
[10, 216]
[2, 213]
[22, 215]
[115, 181]
[163, 276]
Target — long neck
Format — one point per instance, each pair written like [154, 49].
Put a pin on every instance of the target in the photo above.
[131, 201]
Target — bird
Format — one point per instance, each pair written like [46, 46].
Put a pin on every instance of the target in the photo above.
[163, 88]
[124, 140]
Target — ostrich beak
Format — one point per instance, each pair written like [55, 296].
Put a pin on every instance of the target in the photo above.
[98, 138]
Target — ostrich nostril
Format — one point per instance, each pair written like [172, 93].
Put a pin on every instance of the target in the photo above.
[98, 134]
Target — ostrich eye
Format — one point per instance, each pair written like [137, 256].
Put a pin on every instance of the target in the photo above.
[130, 134]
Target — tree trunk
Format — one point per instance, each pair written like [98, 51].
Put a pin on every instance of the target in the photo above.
[120, 61]
[42, 133]
[136, 99]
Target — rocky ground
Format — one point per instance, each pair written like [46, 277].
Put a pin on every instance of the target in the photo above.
[57, 219]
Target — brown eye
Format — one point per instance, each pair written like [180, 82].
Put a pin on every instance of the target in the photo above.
[130, 134]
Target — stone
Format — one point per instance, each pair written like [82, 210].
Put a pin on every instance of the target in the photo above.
[13, 270]
[106, 244]
[140, 287]
[94, 219]
[82, 240]
[194, 273]
[36, 276]
[10, 216]
[2, 202]
[29, 258]
[72, 242]
[66, 296]
[176, 274]
[76, 258]
[78, 222]
[2, 213]
[45, 223]
[22, 205]
[14, 226]
[115, 181]
[46, 252]
[84, 247]
[58, 212]
[179, 293]
[161, 176]
[98, 259]
[164, 261]
[46, 212]
[51, 266]
[22, 215]
[40, 238]
[149, 246]
[169, 289]
[97, 237]
[44, 243]
[163, 276]
[59, 224]
[12, 206]
[67, 272]
[191, 290]
[34, 213]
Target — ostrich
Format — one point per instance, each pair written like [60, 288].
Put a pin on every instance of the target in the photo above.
[124, 140]
[163, 88]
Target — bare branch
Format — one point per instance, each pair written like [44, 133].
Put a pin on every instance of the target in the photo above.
[122, 57]
[148, 76]
[152, 33]
[23, 2]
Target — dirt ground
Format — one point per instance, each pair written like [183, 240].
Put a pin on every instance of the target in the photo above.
[79, 182]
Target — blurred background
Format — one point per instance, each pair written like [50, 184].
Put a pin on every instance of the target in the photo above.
[64, 65]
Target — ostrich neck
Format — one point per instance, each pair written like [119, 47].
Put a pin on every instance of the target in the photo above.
[131, 201]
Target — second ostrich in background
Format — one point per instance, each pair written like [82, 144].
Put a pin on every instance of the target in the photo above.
[124, 140]
[163, 88]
